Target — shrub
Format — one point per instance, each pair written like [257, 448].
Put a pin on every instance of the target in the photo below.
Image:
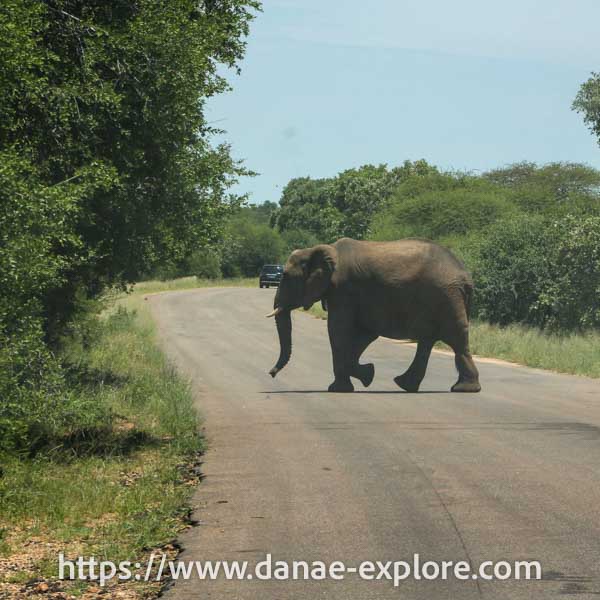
[550, 187]
[297, 238]
[204, 264]
[437, 213]
[540, 271]
[248, 247]
[572, 295]
[512, 267]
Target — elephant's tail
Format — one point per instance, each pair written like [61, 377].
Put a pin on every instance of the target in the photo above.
[467, 291]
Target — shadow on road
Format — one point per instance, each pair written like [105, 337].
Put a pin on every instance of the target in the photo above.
[356, 392]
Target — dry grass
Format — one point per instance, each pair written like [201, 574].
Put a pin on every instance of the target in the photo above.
[113, 491]
[190, 283]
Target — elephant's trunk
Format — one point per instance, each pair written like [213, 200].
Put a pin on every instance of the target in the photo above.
[284, 329]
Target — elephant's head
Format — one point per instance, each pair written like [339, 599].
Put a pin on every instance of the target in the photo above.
[306, 279]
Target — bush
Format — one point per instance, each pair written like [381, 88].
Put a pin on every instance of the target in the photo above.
[549, 188]
[204, 264]
[471, 206]
[512, 265]
[248, 247]
[539, 271]
[39, 408]
[297, 238]
[573, 293]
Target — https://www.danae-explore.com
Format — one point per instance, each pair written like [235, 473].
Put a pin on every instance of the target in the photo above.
[159, 567]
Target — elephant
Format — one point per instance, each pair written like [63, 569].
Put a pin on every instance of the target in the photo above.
[410, 289]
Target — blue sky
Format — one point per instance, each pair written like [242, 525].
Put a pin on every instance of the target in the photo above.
[332, 84]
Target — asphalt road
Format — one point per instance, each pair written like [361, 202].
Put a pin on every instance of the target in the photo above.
[512, 473]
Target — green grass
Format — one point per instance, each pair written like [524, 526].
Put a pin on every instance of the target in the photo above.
[577, 353]
[316, 310]
[120, 488]
[189, 283]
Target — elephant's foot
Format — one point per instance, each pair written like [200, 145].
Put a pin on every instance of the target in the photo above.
[466, 386]
[407, 382]
[365, 374]
[341, 385]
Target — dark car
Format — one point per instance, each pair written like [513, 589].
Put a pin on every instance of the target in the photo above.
[270, 275]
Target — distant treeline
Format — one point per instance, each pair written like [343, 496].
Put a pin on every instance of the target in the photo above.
[530, 234]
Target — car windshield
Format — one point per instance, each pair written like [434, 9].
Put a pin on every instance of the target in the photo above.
[272, 269]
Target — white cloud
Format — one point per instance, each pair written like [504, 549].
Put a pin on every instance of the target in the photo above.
[550, 30]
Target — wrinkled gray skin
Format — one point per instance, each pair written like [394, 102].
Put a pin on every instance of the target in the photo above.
[409, 289]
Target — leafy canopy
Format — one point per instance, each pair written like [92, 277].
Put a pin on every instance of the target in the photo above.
[106, 164]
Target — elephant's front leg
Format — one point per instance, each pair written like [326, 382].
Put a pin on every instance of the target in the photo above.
[340, 328]
[366, 372]
[411, 379]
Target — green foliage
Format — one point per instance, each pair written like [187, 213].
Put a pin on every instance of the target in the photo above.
[204, 264]
[587, 102]
[554, 187]
[39, 409]
[259, 214]
[533, 260]
[343, 205]
[306, 205]
[293, 239]
[114, 484]
[248, 247]
[540, 271]
[106, 167]
[438, 204]
[511, 269]
[460, 205]
[573, 293]
[357, 194]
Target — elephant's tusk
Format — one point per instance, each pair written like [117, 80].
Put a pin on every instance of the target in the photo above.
[275, 312]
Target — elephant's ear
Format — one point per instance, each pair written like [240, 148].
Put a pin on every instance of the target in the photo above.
[320, 268]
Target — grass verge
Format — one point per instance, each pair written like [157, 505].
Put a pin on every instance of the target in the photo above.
[190, 283]
[116, 490]
[576, 354]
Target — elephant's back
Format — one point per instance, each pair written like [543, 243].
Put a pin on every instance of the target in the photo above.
[408, 260]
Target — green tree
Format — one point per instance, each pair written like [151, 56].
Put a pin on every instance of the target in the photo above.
[539, 270]
[106, 163]
[109, 97]
[306, 204]
[587, 102]
[553, 187]
[512, 266]
[344, 205]
[247, 247]
[204, 263]
[438, 205]
[293, 239]
[260, 214]
[572, 294]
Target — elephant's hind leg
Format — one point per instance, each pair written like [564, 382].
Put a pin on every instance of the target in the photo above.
[364, 373]
[468, 376]
[411, 379]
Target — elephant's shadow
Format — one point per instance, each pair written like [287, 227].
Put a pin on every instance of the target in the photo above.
[368, 392]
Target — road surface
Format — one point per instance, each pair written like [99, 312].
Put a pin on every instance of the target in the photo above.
[512, 473]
